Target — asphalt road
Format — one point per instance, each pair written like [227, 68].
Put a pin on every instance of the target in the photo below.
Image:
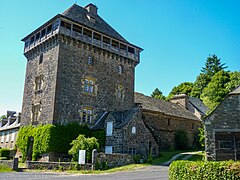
[148, 173]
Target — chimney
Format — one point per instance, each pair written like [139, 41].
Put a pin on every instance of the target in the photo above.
[91, 8]
[181, 99]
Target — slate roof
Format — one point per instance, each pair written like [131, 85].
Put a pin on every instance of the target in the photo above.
[199, 105]
[79, 14]
[165, 107]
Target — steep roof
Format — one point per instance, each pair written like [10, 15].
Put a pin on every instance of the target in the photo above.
[198, 104]
[168, 108]
[79, 14]
[235, 91]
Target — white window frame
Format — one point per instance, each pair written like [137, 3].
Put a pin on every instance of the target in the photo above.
[133, 130]
[108, 149]
[109, 131]
[7, 137]
[2, 139]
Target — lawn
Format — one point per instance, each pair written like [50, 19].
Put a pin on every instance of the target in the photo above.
[166, 155]
[4, 168]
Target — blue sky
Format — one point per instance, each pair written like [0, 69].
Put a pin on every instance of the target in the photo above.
[177, 36]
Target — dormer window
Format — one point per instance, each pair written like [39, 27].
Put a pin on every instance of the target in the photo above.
[91, 18]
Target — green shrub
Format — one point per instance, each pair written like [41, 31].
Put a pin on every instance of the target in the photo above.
[5, 152]
[183, 170]
[181, 140]
[82, 143]
[52, 138]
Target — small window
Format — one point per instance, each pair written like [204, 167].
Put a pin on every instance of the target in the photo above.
[169, 123]
[109, 128]
[43, 33]
[87, 32]
[38, 83]
[88, 86]
[2, 139]
[132, 151]
[106, 40]
[7, 137]
[97, 36]
[225, 144]
[37, 36]
[108, 149]
[35, 112]
[192, 125]
[115, 44]
[65, 24]
[131, 50]
[32, 40]
[123, 47]
[77, 28]
[49, 29]
[90, 60]
[133, 130]
[41, 58]
[120, 69]
[119, 91]
[87, 115]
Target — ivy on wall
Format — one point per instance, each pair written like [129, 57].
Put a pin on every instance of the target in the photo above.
[53, 138]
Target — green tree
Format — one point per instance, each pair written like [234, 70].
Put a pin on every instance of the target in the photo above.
[82, 143]
[213, 65]
[216, 90]
[201, 82]
[234, 81]
[158, 94]
[183, 88]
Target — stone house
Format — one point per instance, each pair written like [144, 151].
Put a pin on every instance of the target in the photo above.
[222, 129]
[164, 118]
[9, 129]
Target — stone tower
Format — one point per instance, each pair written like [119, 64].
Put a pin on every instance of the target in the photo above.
[78, 68]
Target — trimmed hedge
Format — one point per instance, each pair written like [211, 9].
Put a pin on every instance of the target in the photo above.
[187, 170]
[53, 138]
[5, 152]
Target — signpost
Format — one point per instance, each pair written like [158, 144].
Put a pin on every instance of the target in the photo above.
[82, 157]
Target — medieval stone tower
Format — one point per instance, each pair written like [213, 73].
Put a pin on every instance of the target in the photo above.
[78, 68]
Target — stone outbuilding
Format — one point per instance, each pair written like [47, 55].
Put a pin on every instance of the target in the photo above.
[222, 129]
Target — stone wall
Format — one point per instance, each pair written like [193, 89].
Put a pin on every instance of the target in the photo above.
[225, 118]
[115, 160]
[163, 128]
[13, 164]
[73, 68]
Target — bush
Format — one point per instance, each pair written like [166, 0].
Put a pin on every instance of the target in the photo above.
[181, 140]
[183, 170]
[52, 138]
[82, 143]
[4, 152]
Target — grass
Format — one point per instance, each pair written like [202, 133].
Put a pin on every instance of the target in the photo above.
[197, 157]
[166, 156]
[5, 168]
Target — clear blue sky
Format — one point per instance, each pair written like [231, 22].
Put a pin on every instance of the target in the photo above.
[177, 36]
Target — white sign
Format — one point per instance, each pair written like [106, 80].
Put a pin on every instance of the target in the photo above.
[82, 157]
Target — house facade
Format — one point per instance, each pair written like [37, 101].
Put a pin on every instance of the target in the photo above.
[222, 129]
[9, 128]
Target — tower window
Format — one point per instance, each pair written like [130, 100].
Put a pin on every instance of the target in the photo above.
[35, 112]
[87, 115]
[119, 91]
[106, 40]
[41, 58]
[43, 33]
[37, 36]
[90, 60]
[89, 85]
[32, 40]
[168, 121]
[49, 29]
[133, 130]
[65, 24]
[77, 28]
[97, 36]
[131, 50]
[38, 83]
[87, 32]
[120, 69]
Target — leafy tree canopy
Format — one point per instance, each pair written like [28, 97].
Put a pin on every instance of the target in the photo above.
[158, 94]
[201, 82]
[234, 81]
[183, 88]
[216, 90]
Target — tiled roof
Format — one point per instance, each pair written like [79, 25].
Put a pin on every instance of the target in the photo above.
[198, 104]
[168, 108]
[79, 14]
